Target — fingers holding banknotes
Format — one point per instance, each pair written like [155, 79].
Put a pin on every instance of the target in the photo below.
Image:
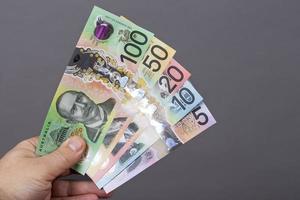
[27, 176]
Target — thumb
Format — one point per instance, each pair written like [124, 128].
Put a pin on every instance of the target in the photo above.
[67, 155]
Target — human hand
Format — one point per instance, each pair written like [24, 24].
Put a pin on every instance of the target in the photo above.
[24, 175]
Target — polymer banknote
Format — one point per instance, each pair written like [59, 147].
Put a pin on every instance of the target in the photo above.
[122, 91]
[92, 69]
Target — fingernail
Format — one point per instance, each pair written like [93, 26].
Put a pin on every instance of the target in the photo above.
[75, 144]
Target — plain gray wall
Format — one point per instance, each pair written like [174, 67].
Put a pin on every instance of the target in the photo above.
[244, 59]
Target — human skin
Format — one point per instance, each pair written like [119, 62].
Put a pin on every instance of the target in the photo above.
[26, 176]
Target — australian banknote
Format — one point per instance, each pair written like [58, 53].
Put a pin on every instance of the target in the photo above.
[88, 73]
[107, 82]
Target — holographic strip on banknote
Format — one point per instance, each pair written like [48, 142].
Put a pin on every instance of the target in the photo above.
[193, 124]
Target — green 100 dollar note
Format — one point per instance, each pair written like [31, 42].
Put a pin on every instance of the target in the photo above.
[87, 106]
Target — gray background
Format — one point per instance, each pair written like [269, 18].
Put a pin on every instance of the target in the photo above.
[244, 57]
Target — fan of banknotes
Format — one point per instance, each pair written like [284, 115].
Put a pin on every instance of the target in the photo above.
[126, 95]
